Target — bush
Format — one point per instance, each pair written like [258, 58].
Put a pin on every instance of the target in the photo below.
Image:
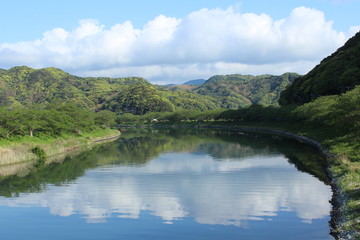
[40, 153]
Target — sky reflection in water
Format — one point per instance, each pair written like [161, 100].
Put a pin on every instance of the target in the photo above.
[177, 186]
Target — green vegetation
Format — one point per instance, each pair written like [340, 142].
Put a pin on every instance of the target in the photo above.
[50, 120]
[139, 99]
[39, 131]
[26, 86]
[26, 149]
[175, 116]
[234, 91]
[40, 153]
[336, 74]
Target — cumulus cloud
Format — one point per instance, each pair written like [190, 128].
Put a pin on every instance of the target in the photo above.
[204, 43]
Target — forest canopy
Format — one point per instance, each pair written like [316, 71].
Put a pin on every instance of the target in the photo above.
[336, 74]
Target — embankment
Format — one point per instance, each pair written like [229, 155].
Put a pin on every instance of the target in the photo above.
[16, 152]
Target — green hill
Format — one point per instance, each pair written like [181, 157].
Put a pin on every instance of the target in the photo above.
[24, 86]
[336, 74]
[237, 90]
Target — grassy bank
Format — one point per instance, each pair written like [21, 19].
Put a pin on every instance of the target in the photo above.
[342, 150]
[18, 149]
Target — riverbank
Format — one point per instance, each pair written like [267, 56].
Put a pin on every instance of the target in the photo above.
[343, 169]
[15, 151]
[339, 201]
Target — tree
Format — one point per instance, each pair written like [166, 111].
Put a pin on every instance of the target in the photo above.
[32, 119]
[105, 118]
[9, 121]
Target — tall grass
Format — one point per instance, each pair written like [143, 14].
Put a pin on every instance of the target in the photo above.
[18, 149]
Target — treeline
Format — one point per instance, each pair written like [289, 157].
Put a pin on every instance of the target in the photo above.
[340, 113]
[173, 117]
[251, 113]
[51, 120]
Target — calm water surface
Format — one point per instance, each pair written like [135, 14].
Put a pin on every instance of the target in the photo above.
[173, 185]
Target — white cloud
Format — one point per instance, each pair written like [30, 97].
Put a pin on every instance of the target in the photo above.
[353, 30]
[204, 43]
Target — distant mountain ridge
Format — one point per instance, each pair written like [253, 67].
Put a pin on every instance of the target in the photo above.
[195, 82]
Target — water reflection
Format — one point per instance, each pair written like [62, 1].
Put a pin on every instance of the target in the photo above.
[210, 177]
[227, 193]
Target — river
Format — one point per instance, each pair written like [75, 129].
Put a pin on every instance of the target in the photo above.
[173, 184]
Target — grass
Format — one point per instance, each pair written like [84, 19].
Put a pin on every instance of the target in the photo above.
[18, 149]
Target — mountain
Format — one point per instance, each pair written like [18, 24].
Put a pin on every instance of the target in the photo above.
[195, 82]
[336, 74]
[24, 85]
[27, 86]
[243, 90]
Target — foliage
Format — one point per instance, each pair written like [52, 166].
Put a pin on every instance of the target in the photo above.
[25, 86]
[336, 74]
[176, 116]
[40, 153]
[182, 99]
[237, 90]
[50, 120]
[139, 99]
[105, 118]
[342, 113]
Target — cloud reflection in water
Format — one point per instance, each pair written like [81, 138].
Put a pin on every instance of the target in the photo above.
[181, 185]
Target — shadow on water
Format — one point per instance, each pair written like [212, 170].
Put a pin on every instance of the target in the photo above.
[139, 146]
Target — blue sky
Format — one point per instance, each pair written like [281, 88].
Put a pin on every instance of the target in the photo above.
[167, 41]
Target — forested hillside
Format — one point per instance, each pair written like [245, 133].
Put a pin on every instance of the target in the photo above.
[243, 90]
[26, 86]
[336, 74]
